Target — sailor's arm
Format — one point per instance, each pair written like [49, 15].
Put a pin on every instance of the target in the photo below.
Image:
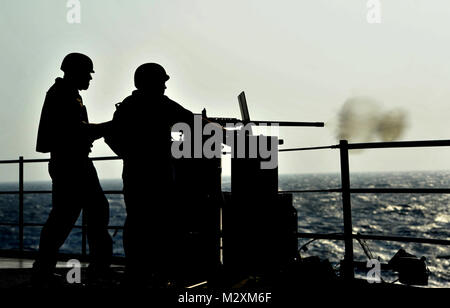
[95, 131]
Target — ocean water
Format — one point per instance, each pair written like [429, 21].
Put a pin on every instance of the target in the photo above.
[415, 215]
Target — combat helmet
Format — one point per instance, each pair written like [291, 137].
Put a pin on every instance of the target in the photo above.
[149, 72]
[77, 62]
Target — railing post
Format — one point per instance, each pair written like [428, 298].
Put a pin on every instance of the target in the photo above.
[347, 212]
[21, 203]
[83, 233]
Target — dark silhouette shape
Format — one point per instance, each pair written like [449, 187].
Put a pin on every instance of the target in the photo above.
[65, 132]
[141, 136]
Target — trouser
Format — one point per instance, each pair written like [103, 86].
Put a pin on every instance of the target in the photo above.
[151, 230]
[75, 187]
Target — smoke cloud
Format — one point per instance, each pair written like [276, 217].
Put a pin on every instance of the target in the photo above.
[361, 119]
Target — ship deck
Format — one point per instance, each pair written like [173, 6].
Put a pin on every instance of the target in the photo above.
[16, 272]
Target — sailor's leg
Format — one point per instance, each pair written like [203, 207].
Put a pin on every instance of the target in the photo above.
[135, 239]
[97, 214]
[65, 212]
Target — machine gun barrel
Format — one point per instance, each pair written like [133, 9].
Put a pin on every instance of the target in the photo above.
[290, 123]
[224, 121]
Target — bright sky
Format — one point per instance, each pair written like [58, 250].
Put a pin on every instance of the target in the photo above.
[297, 60]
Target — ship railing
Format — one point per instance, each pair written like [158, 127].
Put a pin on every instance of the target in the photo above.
[21, 192]
[347, 236]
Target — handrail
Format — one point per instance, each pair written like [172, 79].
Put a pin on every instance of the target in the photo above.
[309, 148]
[399, 144]
[33, 224]
[392, 190]
[403, 239]
[44, 160]
[379, 145]
[12, 192]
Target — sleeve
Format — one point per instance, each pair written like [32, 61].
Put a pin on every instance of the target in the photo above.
[114, 133]
[179, 114]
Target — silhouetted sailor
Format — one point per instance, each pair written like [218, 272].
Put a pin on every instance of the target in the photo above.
[65, 132]
[141, 136]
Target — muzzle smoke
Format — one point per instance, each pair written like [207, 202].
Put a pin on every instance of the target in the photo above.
[361, 119]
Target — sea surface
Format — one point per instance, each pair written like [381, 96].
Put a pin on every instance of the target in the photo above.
[414, 215]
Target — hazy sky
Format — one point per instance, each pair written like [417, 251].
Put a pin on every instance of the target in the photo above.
[296, 60]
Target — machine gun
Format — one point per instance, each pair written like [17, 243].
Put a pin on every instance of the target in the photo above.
[246, 118]
[258, 225]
